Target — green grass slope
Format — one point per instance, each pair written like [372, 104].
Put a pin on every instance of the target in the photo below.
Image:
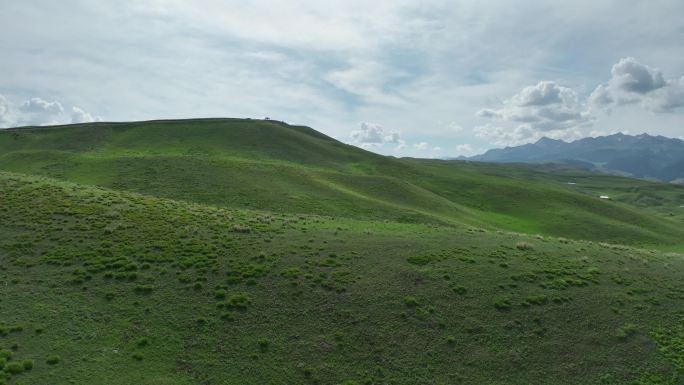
[274, 166]
[103, 286]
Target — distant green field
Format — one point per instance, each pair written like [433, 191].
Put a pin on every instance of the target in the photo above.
[273, 166]
[240, 252]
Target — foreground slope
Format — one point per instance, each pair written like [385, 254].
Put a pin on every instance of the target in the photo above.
[111, 287]
[274, 166]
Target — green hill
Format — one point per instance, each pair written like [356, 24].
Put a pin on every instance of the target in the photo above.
[111, 287]
[273, 166]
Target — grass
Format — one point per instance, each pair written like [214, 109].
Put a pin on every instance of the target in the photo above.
[292, 169]
[287, 257]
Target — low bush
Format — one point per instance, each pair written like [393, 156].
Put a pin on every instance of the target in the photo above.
[503, 304]
[227, 316]
[219, 294]
[14, 368]
[53, 359]
[263, 343]
[144, 289]
[411, 301]
[626, 331]
[27, 364]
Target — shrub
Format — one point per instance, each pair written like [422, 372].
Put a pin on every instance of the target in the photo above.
[451, 340]
[6, 354]
[420, 260]
[2, 362]
[237, 228]
[53, 359]
[28, 364]
[626, 331]
[109, 296]
[502, 304]
[238, 301]
[524, 246]
[227, 316]
[137, 356]
[14, 368]
[459, 289]
[263, 343]
[144, 289]
[538, 299]
[142, 342]
[411, 301]
[220, 294]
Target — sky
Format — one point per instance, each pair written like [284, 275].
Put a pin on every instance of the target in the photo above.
[404, 78]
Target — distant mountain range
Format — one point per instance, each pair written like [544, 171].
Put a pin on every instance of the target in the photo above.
[641, 156]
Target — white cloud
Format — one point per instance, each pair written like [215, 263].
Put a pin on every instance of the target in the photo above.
[40, 112]
[40, 106]
[78, 115]
[407, 64]
[634, 82]
[466, 149]
[631, 76]
[374, 134]
[545, 109]
[421, 146]
[668, 98]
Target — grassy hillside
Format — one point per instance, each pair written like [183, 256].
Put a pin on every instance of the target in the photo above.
[103, 286]
[291, 169]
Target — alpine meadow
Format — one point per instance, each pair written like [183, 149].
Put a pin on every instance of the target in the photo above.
[341, 192]
[255, 252]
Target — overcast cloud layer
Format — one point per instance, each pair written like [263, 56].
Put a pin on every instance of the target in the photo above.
[429, 78]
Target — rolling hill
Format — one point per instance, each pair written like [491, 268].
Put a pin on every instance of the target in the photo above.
[240, 252]
[101, 286]
[274, 166]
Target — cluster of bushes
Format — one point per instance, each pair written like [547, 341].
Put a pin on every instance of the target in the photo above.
[238, 301]
[8, 367]
[502, 303]
[536, 299]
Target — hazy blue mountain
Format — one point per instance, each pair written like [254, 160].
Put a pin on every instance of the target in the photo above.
[640, 156]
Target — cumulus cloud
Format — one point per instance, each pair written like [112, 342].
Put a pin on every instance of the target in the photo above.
[545, 109]
[421, 146]
[634, 82]
[38, 105]
[37, 111]
[522, 134]
[40, 112]
[370, 134]
[78, 115]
